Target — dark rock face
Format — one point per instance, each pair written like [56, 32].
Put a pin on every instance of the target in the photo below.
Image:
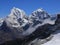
[4, 27]
[58, 19]
[57, 22]
[41, 32]
[58, 16]
[13, 42]
[8, 35]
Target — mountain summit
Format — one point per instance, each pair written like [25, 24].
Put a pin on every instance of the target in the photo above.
[18, 13]
[40, 13]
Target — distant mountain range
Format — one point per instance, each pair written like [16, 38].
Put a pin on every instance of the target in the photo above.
[36, 29]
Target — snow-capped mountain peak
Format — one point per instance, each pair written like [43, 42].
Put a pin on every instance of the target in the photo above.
[40, 13]
[40, 10]
[17, 18]
[18, 13]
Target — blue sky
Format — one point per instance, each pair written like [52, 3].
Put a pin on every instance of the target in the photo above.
[51, 6]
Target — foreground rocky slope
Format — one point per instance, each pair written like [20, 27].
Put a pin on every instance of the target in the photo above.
[19, 29]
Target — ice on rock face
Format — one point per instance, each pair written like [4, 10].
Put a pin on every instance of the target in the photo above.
[40, 16]
[17, 17]
[40, 13]
[18, 13]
